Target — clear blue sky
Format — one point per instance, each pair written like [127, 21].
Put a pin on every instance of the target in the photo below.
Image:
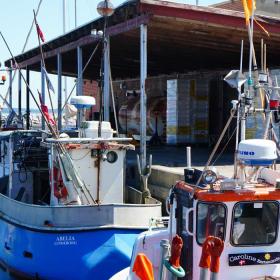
[17, 16]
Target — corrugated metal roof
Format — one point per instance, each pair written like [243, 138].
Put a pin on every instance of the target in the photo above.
[234, 5]
[181, 38]
[269, 8]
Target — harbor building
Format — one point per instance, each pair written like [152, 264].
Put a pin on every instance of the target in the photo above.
[187, 52]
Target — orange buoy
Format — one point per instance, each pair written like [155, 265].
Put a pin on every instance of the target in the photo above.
[143, 267]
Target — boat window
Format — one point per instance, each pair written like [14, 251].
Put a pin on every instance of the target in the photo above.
[255, 223]
[211, 220]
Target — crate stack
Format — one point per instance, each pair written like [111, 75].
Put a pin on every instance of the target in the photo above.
[187, 111]
[199, 94]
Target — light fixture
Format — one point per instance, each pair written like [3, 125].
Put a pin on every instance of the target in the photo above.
[105, 8]
[112, 157]
[209, 176]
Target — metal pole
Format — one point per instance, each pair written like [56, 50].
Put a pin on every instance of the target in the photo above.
[27, 99]
[79, 88]
[243, 126]
[64, 15]
[11, 166]
[59, 91]
[43, 92]
[19, 96]
[64, 31]
[238, 114]
[261, 54]
[3, 158]
[164, 245]
[106, 94]
[76, 14]
[143, 99]
[11, 88]
[189, 161]
[251, 49]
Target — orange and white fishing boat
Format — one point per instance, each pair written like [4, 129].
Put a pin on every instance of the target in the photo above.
[222, 228]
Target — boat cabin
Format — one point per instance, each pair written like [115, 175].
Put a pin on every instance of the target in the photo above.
[246, 219]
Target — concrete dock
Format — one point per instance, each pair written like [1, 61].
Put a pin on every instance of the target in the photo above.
[169, 163]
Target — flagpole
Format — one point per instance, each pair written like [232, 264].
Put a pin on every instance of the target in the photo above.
[44, 65]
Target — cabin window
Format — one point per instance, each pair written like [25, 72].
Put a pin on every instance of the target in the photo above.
[255, 223]
[211, 220]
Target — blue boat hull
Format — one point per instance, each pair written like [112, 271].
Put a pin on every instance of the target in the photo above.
[93, 254]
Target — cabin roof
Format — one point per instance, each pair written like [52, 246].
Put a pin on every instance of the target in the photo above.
[251, 192]
[181, 38]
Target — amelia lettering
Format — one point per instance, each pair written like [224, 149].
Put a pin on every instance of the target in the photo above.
[65, 240]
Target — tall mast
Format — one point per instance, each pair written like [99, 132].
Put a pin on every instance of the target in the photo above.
[75, 2]
[64, 31]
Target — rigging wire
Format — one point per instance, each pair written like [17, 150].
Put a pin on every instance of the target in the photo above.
[75, 84]
[232, 113]
[23, 49]
[223, 149]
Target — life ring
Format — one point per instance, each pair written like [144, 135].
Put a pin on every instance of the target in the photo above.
[177, 271]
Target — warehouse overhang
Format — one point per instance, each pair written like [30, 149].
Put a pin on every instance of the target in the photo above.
[181, 38]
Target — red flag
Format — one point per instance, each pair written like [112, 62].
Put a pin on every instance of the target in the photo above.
[45, 111]
[40, 33]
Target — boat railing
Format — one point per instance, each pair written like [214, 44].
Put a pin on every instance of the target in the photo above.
[86, 140]
[158, 222]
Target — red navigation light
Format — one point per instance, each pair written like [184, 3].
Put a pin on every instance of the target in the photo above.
[3, 78]
[273, 104]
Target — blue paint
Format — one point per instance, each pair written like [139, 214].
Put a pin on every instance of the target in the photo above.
[96, 254]
[257, 162]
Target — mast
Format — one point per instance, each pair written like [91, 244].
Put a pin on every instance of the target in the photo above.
[75, 3]
[105, 9]
[64, 31]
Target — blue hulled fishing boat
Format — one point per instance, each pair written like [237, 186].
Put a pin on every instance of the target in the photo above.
[65, 211]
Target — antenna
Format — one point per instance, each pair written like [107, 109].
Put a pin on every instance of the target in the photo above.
[75, 2]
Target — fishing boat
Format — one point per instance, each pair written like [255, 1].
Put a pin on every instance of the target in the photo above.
[65, 211]
[222, 228]
[219, 228]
